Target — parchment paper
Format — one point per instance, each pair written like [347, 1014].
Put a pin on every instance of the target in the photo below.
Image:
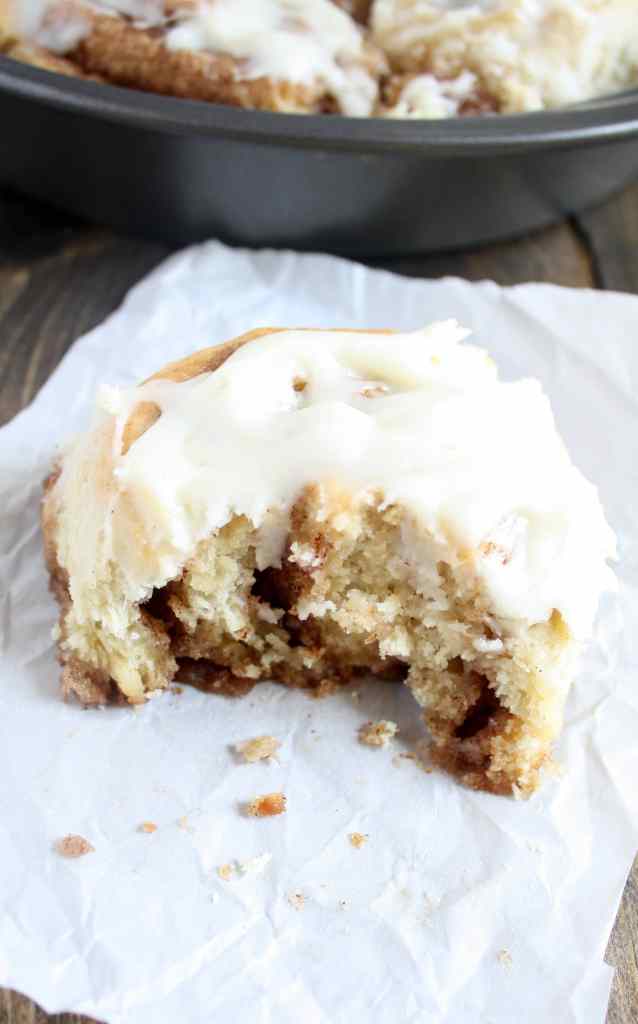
[461, 907]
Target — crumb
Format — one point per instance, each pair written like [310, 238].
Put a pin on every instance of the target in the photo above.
[296, 900]
[357, 839]
[504, 958]
[259, 749]
[266, 806]
[377, 734]
[73, 846]
[254, 865]
[225, 872]
[299, 384]
[147, 826]
[355, 695]
[183, 824]
[177, 690]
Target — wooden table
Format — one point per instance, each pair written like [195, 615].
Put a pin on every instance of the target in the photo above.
[58, 278]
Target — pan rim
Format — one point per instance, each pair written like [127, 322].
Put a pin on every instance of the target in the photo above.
[608, 119]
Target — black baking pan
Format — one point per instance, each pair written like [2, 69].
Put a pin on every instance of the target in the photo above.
[182, 171]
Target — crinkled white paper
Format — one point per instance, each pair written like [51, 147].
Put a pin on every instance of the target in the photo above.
[461, 907]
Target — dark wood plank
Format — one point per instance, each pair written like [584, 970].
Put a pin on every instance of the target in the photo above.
[557, 255]
[622, 953]
[17, 1009]
[56, 282]
[59, 278]
[611, 233]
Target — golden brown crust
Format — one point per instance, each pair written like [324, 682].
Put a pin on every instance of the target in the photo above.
[26, 52]
[38, 57]
[90, 685]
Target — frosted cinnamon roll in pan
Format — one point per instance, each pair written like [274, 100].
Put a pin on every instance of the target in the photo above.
[453, 57]
[304, 56]
[312, 506]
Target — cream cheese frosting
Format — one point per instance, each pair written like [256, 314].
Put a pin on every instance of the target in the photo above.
[302, 41]
[419, 419]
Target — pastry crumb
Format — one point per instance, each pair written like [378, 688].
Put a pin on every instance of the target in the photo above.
[183, 823]
[377, 734]
[177, 690]
[73, 846]
[258, 749]
[225, 872]
[296, 900]
[504, 958]
[147, 826]
[299, 384]
[358, 839]
[266, 806]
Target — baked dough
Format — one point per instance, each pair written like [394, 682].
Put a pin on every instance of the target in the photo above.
[314, 506]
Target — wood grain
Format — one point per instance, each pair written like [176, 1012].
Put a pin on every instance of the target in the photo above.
[557, 255]
[611, 234]
[59, 278]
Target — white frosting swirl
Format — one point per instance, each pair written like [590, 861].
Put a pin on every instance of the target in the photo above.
[417, 417]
